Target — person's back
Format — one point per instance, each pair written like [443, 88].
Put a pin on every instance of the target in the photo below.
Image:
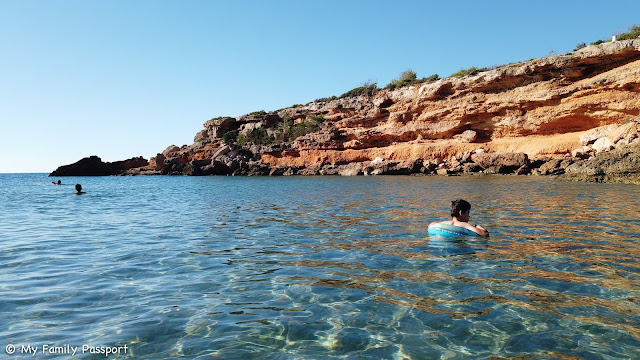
[460, 214]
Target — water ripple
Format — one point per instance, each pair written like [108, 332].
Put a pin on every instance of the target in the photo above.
[294, 268]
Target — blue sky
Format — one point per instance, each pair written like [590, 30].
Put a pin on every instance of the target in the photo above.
[121, 78]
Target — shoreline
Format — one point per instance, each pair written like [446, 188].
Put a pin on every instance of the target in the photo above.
[617, 166]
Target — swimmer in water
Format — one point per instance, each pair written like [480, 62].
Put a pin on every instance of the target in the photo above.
[57, 183]
[460, 211]
[79, 189]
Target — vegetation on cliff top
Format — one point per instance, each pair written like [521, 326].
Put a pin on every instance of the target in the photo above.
[287, 131]
[258, 136]
[367, 88]
[633, 33]
[284, 132]
[409, 77]
[230, 137]
[470, 71]
[406, 78]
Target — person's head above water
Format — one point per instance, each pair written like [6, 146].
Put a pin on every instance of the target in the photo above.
[460, 209]
[79, 189]
[460, 214]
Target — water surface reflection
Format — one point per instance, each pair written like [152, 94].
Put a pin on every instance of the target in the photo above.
[296, 268]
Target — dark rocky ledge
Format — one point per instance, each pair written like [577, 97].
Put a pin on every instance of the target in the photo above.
[619, 165]
[94, 166]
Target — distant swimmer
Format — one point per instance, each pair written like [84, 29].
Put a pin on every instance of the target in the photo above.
[79, 189]
[460, 211]
[57, 183]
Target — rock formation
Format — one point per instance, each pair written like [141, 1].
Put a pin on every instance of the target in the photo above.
[94, 166]
[542, 116]
[619, 165]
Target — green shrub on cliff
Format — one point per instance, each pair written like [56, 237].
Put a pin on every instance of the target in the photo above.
[318, 118]
[470, 71]
[634, 32]
[256, 136]
[259, 136]
[283, 130]
[409, 77]
[287, 131]
[406, 78]
[325, 99]
[366, 89]
[242, 140]
[303, 128]
[230, 137]
[434, 77]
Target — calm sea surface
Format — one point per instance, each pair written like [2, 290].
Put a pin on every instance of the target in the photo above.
[317, 268]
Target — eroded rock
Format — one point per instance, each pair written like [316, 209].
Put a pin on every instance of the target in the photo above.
[468, 136]
[500, 162]
[620, 165]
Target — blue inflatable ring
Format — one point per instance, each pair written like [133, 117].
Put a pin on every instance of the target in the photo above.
[449, 230]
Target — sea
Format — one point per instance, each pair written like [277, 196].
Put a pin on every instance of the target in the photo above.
[222, 267]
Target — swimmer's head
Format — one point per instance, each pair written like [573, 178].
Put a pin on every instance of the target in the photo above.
[460, 208]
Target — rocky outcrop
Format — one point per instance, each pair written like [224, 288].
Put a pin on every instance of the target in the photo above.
[503, 163]
[94, 166]
[619, 165]
[541, 117]
[608, 138]
[540, 107]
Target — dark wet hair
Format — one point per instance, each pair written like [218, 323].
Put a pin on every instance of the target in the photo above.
[459, 205]
[78, 187]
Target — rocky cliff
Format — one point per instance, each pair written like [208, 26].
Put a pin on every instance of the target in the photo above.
[94, 166]
[540, 116]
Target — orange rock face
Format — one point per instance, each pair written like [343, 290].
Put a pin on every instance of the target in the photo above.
[578, 104]
[574, 114]
[540, 107]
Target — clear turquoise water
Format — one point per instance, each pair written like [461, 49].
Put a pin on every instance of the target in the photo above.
[319, 268]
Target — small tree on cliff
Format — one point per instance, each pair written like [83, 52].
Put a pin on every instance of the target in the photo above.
[368, 88]
[409, 77]
[230, 137]
[634, 33]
